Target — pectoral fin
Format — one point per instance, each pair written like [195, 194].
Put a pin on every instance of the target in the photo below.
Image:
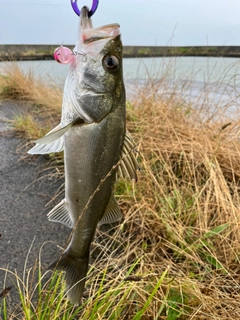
[112, 212]
[53, 141]
[128, 166]
[60, 213]
[55, 146]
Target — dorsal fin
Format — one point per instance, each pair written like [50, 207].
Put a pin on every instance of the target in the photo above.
[128, 166]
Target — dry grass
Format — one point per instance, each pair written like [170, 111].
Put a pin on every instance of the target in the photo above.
[181, 219]
[188, 200]
[45, 100]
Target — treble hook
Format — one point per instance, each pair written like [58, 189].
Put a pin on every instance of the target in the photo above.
[90, 13]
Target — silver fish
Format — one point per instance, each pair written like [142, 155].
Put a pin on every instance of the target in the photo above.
[93, 135]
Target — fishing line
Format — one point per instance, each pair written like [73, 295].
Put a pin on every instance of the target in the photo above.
[34, 4]
[63, 51]
[63, 54]
[65, 29]
[69, 30]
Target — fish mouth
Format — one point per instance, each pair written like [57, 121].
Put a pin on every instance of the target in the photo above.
[89, 34]
[84, 12]
[104, 32]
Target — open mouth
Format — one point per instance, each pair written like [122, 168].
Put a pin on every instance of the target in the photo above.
[104, 32]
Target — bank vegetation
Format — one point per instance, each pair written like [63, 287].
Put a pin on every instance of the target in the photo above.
[176, 255]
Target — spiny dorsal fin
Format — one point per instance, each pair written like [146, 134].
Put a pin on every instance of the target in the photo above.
[60, 213]
[128, 166]
[112, 212]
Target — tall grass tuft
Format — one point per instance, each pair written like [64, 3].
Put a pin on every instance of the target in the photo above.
[176, 255]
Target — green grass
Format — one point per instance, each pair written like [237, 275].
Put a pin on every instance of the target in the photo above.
[176, 255]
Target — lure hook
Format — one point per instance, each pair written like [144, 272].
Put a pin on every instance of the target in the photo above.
[90, 13]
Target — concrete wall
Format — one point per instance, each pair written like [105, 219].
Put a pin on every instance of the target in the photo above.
[45, 52]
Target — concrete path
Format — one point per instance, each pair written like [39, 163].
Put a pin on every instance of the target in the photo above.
[23, 198]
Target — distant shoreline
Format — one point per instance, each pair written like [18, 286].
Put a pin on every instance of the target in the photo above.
[45, 52]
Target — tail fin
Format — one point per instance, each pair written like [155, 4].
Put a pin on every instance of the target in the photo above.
[76, 270]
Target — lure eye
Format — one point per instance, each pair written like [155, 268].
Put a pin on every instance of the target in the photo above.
[111, 62]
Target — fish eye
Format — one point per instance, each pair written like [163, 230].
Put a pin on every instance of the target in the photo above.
[111, 62]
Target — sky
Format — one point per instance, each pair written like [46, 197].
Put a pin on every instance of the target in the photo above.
[143, 22]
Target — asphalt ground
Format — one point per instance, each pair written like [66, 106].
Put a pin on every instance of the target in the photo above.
[25, 189]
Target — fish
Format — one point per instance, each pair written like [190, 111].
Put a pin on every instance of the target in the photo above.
[97, 147]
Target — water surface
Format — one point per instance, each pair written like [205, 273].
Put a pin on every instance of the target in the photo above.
[202, 69]
[201, 79]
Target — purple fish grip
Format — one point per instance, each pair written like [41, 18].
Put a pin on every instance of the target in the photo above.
[91, 12]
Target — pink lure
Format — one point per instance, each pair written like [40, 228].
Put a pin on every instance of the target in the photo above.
[63, 55]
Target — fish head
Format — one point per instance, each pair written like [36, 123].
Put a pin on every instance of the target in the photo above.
[95, 75]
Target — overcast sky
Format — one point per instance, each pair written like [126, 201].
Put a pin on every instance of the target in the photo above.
[143, 22]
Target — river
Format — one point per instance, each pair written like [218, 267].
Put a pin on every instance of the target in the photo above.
[218, 77]
[201, 69]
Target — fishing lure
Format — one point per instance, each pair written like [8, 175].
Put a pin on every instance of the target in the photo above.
[63, 54]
